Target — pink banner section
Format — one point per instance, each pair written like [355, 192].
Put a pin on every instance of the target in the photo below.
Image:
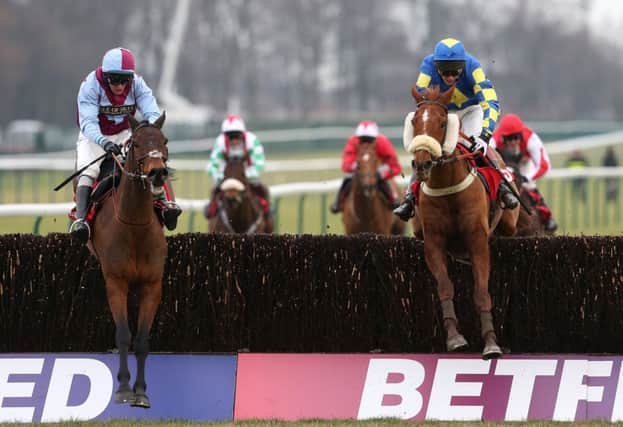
[429, 387]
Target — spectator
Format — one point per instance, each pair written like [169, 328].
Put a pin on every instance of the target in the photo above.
[577, 160]
[612, 183]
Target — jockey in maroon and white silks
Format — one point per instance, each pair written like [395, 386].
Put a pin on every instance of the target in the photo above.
[107, 96]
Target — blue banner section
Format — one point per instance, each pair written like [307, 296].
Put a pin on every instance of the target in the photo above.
[55, 387]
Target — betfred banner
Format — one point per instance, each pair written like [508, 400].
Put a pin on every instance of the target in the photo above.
[54, 387]
[429, 387]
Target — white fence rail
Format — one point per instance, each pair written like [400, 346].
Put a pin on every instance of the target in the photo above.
[64, 160]
[281, 190]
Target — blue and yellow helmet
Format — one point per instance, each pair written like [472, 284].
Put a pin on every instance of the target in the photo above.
[449, 54]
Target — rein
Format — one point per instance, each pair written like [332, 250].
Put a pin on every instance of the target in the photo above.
[225, 218]
[134, 176]
[445, 160]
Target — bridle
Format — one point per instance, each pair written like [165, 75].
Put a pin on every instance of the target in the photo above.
[443, 160]
[138, 173]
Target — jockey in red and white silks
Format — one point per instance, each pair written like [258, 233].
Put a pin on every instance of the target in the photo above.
[533, 159]
[527, 150]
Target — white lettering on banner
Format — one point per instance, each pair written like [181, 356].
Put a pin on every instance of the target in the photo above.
[98, 395]
[376, 387]
[445, 387]
[17, 389]
[571, 389]
[524, 373]
[617, 411]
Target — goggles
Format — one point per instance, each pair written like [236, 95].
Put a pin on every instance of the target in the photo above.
[118, 79]
[511, 137]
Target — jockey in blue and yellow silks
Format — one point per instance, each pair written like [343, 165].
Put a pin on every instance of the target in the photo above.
[474, 101]
[472, 87]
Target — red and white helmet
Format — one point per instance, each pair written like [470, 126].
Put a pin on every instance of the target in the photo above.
[118, 61]
[233, 124]
[367, 128]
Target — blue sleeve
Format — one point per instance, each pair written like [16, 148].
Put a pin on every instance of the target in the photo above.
[427, 71]
[145, 100]
[88, 110]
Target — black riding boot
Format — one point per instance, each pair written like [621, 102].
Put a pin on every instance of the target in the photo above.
[80, 229]
[406, 210]
[506, 196]
[170, 212]
[336, 206]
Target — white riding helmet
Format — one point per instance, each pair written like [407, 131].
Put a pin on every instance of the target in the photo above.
[367, 128]
[233, 124]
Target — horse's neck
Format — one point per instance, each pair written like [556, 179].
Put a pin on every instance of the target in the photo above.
[134, 200]
[365, 206]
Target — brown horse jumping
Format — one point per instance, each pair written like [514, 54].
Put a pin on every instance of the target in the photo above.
[454, 211]
[129, 242]
[238, 210]
[366, 210]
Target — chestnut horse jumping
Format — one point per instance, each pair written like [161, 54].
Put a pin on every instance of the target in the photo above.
[454, 211]
[129, 242]
[238, 210]
[365, 207]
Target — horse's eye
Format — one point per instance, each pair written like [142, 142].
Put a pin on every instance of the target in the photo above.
[413, 164]
[444, 124]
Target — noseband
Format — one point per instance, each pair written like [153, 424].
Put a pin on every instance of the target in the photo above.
[138, 173]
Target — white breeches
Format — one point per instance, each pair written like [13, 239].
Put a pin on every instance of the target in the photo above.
[87, 151]
[471, 119]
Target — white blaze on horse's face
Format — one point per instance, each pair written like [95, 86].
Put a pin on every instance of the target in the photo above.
[366, 157]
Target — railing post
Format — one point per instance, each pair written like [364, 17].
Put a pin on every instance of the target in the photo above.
[300, 222]
[323, 213]
[191, 221]
[275, 208]
[35, 229]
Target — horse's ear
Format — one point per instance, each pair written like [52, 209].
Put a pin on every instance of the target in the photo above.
[133, 122]
[158, 123]
[447, 95]
[416, 94]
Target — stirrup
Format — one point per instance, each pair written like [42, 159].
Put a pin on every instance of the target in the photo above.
[81, 230]
[405, 211]
[509, 201]
[169, 215]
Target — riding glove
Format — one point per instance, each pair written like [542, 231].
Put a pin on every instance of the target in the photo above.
[478, 144]
[111, 147]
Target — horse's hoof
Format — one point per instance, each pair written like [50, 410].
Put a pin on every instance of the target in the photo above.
[141, 401]
[456, 343]
[492, 351]
[125, 396]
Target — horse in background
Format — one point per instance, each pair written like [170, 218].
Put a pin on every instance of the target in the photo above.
[528, 222]
[453, 211]
[238, 210]
[366, 209]
[129, 242]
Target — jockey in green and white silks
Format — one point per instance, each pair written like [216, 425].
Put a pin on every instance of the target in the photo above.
[107, 96]
[225, 144]
[235, 139]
